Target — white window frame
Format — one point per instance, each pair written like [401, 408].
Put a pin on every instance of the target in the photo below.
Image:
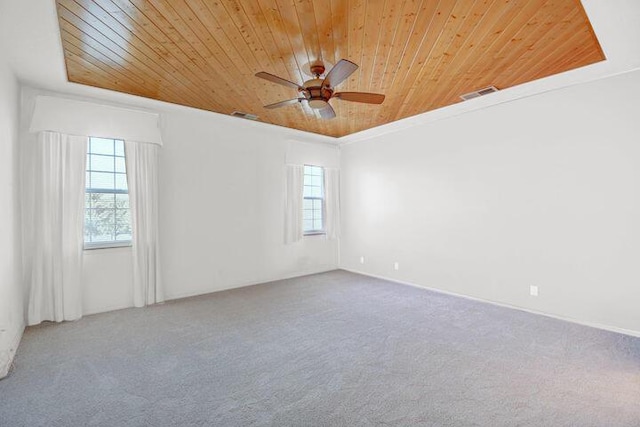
[322, 198]
[113, 243]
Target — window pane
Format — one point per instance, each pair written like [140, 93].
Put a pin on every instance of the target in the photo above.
[119, 147]
[107, 215]
[122, 218]
[123, 227]
[103, 215]
[101, 180]
[308, 191]
[307, 225]
[313, 192]
[121, 181]
[102, 226]
[104, 235]
[122, 200]
[101, 146]
[101, 163]
[89, 230]
[308, 204]
[122, 236]
[103, 201]
[120, 164]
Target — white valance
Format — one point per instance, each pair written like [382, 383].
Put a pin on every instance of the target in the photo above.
[74, 117]
[304, 153]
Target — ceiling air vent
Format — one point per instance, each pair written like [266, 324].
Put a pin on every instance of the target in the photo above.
[244, 115]
[478, 93]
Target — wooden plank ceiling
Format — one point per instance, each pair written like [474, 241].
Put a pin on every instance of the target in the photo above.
[422, 54]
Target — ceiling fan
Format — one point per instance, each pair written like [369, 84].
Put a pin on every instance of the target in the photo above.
[317, 91]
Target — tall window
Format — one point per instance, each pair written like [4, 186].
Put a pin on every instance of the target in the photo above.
[107, 216]
[313, 219]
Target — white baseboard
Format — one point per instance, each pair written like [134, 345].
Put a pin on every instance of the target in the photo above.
[252, 283]
[107, 309]
[177, 296]
[500, 304]
[7, 356]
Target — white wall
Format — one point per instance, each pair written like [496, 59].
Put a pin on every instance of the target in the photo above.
[540, 191]
[221, 210]
[107, 280]
[11, 313]
[222, 205]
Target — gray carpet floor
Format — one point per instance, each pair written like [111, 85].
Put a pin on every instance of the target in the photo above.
[332, 349]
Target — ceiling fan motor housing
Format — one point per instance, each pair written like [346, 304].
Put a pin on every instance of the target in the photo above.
[317, 95]
[317, 68]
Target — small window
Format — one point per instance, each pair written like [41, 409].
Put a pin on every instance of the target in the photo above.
[107, 218]
[313, 218]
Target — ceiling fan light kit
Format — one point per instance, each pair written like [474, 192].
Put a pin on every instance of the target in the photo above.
[318, 91]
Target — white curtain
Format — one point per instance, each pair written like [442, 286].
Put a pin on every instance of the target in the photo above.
[332, 202]
[293, 203]
[53, 221]
[142, 177]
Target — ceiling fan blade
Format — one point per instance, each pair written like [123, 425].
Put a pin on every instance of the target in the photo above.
[283, 103]
[367, 98]
[339, 73]
[327, 112]
[278, 80]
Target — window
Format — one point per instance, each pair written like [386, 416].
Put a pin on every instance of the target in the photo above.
[107, 217]
[313, 218]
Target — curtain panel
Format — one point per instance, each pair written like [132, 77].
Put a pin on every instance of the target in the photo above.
[142, 177]
[294, 182]
[332, 202]
[53, 219]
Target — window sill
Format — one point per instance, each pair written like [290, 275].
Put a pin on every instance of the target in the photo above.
[314, 234]
[110, 245]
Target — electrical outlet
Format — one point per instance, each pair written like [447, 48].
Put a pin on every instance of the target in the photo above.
[533, 290]
[361, 260]
[396, 266]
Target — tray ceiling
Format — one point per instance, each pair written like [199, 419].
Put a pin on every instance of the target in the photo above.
[421, 54]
